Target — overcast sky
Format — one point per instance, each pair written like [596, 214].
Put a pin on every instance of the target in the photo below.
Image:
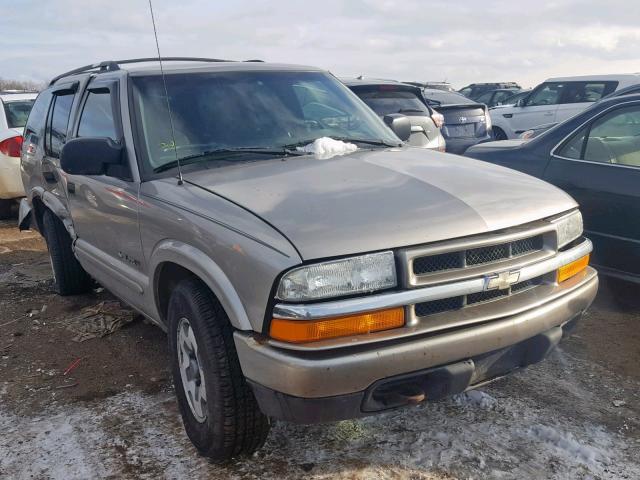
[461, 41]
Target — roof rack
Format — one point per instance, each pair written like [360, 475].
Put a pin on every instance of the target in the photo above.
[113, 65]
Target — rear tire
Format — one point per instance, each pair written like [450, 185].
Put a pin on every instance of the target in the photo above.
[69, 278]
[499, 134]
[218, 408]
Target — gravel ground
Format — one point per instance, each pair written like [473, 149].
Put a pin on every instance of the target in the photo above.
[112, 415]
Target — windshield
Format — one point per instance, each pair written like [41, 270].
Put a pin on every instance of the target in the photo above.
[17, 112]
[435, 97]
[246, 110]
[384, 102]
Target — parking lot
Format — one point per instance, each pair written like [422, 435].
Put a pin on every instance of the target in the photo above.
[113, 414]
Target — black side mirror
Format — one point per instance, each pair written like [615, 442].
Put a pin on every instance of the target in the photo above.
[90, 156]
[400, 125]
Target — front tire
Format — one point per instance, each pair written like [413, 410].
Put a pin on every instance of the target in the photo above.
[218, 408]
[69, 278]
[498, 134]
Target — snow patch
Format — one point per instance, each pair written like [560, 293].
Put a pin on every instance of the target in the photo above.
[325, 148]
[475, 398]
[566, 445]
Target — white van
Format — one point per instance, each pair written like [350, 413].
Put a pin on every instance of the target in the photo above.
[554, 101]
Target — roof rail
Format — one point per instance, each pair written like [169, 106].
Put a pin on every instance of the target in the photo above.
[112, 65]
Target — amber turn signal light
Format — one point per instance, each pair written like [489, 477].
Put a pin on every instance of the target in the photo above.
[303, 331]
[572, 269]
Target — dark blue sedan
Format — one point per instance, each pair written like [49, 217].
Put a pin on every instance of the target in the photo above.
[595, 157]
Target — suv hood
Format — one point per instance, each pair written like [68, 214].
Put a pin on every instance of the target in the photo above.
[380, 199]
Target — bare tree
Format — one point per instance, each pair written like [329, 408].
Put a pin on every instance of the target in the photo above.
[20, 85]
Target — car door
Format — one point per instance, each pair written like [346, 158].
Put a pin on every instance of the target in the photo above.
[55, 136]
[579, 95]
[105, 207]
[539, 108]
[600, 167]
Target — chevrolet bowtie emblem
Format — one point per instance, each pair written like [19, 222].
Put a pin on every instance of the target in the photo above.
[501, 281]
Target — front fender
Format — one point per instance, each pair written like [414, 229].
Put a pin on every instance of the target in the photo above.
[207, 270]
[54, 204]
[24, 215]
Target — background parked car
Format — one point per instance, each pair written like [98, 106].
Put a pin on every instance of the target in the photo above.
[446, 86]
[14, 110]
[465, 122]
[512, 100]
[474, 90]
[387, 96]
[595, 157]
[497, 96]
[555, 100]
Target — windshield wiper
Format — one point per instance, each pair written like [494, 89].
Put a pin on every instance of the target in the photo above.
[366, 141]
[343, 139]
[222, 152]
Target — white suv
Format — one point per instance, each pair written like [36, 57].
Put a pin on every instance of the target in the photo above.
[554, 101]
[14, 110]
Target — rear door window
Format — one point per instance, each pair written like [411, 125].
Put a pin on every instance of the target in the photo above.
[547, 94]
[613, 138]
[587, 92]
[97, 116]
[384, 102]
[57, 124]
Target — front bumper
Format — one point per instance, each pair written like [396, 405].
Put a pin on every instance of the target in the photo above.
[10, 178]
[296, 385]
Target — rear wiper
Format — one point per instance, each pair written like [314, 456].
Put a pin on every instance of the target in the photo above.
[411, 110]
[218, 152]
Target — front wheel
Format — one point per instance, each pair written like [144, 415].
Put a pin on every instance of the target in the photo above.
[499, 134]
[218, 408]
[69, 278]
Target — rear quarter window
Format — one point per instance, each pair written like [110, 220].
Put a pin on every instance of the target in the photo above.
[37, 118]
[17, 112]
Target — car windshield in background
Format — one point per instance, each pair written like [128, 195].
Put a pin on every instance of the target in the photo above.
[226, 111]
[440, 97]
[384, 102]
[17, 112]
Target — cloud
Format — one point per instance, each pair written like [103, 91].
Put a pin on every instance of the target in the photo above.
[460, 41]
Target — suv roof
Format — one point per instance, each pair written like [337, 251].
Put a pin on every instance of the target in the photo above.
[628, 77]
[364, 82]
[497, 84]
[185, 64]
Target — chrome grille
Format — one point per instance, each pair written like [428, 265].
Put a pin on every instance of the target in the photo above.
[478, 256]
[438, 263]
[425, 309]
[443, 262]
[438, 306]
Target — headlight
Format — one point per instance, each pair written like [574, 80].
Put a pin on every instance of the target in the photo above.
[365, 273]
[569, 228]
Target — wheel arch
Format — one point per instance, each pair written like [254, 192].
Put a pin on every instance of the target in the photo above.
[42, 200]
[172, 261]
